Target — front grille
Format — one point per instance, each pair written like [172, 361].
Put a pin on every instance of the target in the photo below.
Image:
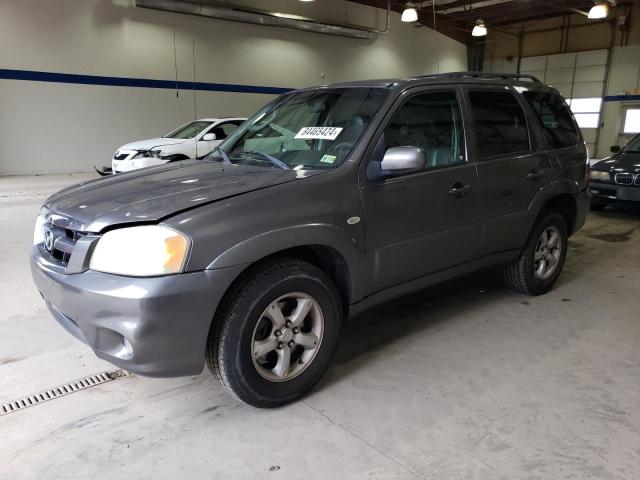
[624, 178]
[637, 180]
[61, 242]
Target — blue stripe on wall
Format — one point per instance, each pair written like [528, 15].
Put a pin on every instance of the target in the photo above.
[135, 82]
[621, 98]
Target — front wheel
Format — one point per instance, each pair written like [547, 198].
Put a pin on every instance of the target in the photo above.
[540, 263]
[276, 333]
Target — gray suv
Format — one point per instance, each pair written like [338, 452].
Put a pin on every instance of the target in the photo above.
[327, 201]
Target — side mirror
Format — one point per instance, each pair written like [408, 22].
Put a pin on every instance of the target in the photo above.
[401, 161]
[207, 137]
[615, 148]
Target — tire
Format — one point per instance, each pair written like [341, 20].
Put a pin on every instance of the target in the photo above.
[524, 275]
[245, 324]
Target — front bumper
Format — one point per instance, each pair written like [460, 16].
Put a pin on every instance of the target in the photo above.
[150, 326]
[611, 193]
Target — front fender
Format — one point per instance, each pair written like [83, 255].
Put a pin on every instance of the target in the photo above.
[260, 246]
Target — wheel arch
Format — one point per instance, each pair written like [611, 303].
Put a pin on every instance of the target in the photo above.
[325, 246]
[559, 196]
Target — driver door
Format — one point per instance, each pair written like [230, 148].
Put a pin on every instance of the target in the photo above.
[423, 222]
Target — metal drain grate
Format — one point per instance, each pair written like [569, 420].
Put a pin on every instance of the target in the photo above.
[62, 390]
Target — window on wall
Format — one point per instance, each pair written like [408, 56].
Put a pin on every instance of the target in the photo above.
[500, 123]
[586, 111]
[555, 118]
[631, 121]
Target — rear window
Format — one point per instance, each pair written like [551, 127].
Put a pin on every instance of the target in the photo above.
[555, 116]
[500, 123]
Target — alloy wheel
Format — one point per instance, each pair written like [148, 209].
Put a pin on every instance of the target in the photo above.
[287, 337]
[547, 253]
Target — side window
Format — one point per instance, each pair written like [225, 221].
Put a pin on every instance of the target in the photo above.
[556, 119]
[223, 130]
[432, 122]
[501, 125]
[228, 128]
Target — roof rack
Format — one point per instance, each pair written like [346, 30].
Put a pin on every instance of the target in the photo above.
[504, 76]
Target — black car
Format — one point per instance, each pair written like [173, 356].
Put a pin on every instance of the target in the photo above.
[329, 200]
[616, 179]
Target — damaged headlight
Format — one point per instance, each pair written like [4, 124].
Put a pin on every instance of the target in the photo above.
[148, 154]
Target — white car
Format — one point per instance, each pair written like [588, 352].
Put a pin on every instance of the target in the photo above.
[193, 140]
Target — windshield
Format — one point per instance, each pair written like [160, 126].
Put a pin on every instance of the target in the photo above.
[633, 146]
[312, 129]
[189, 130]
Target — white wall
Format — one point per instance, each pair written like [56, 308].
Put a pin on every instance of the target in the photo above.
[56, 127]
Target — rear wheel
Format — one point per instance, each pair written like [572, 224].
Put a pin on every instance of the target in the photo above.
[540, 263]
[276, 334]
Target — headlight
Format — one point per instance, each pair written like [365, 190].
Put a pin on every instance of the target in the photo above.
[143, 251]
[600, 176]
[38, 232]
[147, 154]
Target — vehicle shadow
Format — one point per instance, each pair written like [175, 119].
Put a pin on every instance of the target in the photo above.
[367, 334]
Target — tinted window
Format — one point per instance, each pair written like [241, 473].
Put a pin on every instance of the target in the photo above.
[555, 117]
[432, 122]
[501, 125]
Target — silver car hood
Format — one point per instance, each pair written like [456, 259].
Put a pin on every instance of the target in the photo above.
[151, 194]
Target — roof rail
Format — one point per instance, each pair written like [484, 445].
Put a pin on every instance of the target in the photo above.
[504, 76]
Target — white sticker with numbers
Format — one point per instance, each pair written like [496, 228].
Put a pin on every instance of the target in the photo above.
[319, 133]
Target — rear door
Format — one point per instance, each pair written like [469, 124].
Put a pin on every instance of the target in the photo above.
[510, 171]
[423, 222]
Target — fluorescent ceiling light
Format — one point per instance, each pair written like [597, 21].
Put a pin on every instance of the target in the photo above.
[479, 30]
[409, 15]
[598, 11]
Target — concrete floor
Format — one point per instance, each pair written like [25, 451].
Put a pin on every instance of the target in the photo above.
[464, 381]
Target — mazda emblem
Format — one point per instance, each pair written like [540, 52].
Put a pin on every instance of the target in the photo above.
[48, 240]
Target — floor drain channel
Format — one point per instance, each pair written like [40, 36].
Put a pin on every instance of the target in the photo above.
[62, 390]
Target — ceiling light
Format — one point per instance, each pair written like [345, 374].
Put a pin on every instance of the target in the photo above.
[409, 15]
[598, 11]
[479, 30]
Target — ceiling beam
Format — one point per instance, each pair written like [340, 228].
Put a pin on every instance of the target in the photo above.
[450, 27]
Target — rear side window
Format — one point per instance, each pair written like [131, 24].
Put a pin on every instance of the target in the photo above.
[555, 117]
[501, 125]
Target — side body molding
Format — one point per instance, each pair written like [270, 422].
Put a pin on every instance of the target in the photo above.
[316, 234]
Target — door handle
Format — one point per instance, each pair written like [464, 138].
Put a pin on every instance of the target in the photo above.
[459, 190]
[535, 174]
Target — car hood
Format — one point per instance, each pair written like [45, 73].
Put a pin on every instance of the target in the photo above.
[151, 143]
[151, 194]
[620, 162]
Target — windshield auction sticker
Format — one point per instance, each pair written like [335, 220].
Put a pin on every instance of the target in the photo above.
[319, 133]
